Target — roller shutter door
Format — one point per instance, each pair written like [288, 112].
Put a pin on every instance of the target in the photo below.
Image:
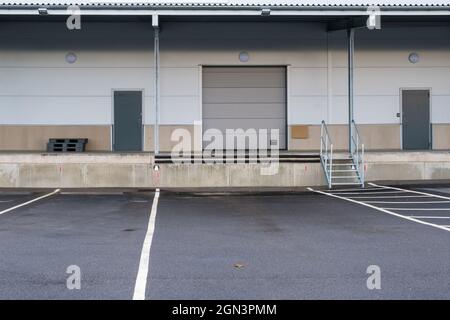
[244, 98]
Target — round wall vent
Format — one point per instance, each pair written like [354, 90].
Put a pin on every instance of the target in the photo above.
[244, 56]
[71, 57]
[413, 57]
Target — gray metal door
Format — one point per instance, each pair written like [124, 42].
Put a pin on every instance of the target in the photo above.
[127, 121]
[244, 98]
[416, 119]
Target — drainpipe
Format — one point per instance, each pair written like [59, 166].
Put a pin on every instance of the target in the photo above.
[351, 51]
[155, 25]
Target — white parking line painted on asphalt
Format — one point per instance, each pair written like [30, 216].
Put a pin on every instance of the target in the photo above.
[406, 202]
[380, 209]
[2, 201]
[368, 192]
[429, 217]
[388, 197]
[31, 201]
[357, 189]
[141, 279]
[410, 191]
[418, 209]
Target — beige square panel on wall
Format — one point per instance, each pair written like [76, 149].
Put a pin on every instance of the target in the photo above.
[300, 132]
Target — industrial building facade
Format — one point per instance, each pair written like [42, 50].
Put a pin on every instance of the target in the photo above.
[237, 65]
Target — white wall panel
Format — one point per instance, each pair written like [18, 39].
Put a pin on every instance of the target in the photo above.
[388, 81]
[307, 110]
[340, 110]
[180, 110]
[376, 109]
[180, 81]
[73, 81]
[440, 109]
[307, 81]
[55, 110]
[86, 58]
[149, 109]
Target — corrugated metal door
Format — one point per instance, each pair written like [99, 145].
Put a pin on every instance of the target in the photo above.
[244, 98]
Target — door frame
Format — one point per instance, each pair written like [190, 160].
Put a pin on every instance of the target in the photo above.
[430, 129]
[142, 90]
[287, 102]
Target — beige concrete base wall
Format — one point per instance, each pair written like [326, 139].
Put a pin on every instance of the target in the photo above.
[241, 175]
[441, 136]
[35, 138]
[374, 136]
[81, 170]
[407, 166]
[136, 171]
[338, 133]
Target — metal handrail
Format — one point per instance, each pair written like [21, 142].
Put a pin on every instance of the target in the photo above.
[326, 153]
[357, 152]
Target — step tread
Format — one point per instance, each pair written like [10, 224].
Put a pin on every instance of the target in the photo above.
[346, 184]
[344, 177]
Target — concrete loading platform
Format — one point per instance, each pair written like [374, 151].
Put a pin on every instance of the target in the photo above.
[136, 170]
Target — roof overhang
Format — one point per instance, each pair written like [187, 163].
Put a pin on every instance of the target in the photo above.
[220, 12]
[230, 7]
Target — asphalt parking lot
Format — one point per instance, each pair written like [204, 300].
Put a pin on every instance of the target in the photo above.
[307, 245]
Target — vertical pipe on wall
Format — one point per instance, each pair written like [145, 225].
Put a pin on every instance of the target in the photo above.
[155, 25]
[350, 52]
[329, 82]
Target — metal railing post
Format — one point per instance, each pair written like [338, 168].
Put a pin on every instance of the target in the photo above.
[331, 167]
[350, 56]
[362, 164]
[321, 140]
[155, 24]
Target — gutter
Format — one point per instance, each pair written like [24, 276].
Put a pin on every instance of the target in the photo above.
[144, 10]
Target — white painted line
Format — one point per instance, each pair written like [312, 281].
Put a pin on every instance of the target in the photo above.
[368, 192]
[411, 191]
[429, 217]
[418, 209]
[406, 202]
[2, 201]
[380, 209]
[29, 202]
[388, 197]
[357, 189]
[141, 279]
